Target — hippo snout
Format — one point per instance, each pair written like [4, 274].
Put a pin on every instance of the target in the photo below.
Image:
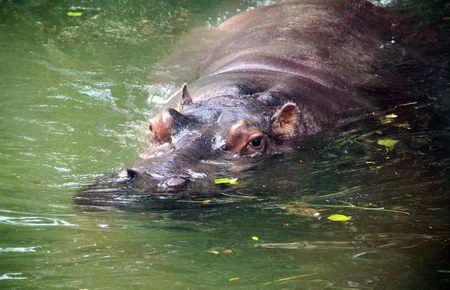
[140, 178]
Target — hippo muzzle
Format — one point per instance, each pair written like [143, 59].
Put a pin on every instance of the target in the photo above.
[153, 182]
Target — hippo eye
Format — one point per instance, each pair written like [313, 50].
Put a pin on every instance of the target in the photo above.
[257, 143]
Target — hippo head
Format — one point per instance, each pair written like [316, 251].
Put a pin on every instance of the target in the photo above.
[199, 140]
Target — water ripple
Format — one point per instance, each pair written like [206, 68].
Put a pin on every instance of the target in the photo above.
[18, 250]
[12, 276]
[35, 221]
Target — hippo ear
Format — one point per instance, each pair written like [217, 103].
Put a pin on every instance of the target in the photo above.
[186, 98]
[178, 119]
[284, 122]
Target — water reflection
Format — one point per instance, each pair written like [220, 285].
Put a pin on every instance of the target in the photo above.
[12, 276]
[34, 221]
[18, 250]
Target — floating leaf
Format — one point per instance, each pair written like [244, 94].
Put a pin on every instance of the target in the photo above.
[339, 218]
[388, 143]
[228, 251]
[233, 279]
[213, 251]
[291, 278]
[391, 116]
[385, 121]
[226, 181]
[404, 125]
[74, 14]
[218, 251]
[255, 238]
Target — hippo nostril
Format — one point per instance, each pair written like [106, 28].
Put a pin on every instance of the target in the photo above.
[176, 182]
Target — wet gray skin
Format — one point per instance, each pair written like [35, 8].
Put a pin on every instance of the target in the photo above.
[198, 148]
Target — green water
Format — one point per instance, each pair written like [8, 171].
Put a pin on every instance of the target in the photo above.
[75, 97]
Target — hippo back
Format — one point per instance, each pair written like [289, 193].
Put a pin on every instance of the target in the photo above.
[317, 53]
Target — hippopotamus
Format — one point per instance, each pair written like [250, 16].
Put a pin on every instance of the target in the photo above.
[265, 80]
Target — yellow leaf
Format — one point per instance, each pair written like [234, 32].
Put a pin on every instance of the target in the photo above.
[339, 218]
[74, 14]
[255, 238]
[215, 252]
[226, 181]
[234, 181]
[233, 279]
[206, 201]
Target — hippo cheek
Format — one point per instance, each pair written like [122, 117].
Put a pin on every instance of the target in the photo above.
[139, 179]
[173, 184]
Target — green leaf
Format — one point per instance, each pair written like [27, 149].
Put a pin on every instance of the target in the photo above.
[388, 143]
[282, 280]
[226, 181]
[339, 218]
[74, 14]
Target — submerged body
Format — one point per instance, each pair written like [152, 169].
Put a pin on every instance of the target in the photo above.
[264, 80]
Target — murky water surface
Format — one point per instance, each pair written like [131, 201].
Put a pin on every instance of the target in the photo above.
[75, 95]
